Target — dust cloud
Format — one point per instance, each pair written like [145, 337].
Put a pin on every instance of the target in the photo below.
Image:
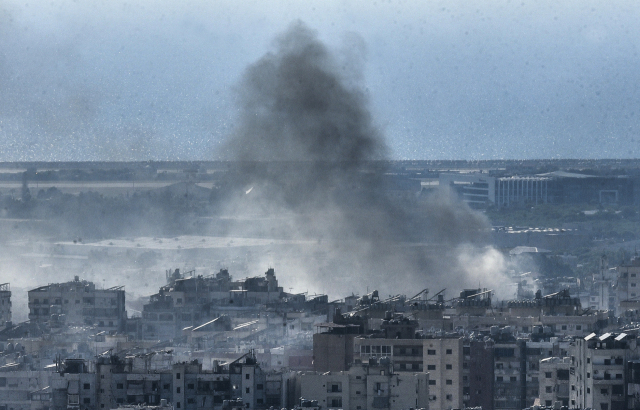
[312, 167]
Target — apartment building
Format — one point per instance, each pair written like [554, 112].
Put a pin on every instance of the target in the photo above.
[78, 302]
[17, 385]
[477, 373]
[597, 372]
[371, 385]
[629, 280]
[442, 359]
[5, 304]
[554, 381]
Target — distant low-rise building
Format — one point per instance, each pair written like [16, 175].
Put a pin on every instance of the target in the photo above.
[78, 302]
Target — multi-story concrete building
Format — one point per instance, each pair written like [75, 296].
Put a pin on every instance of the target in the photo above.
[78, 302]
[629, 280]
[443, 359]
[597, 372]
[195, 300]
[554, 381]
[73, 386]
[477, 373]
[371, 385]
[16, 387]
[5, 304]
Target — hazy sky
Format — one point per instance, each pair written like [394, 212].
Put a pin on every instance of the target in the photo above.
[137, 80]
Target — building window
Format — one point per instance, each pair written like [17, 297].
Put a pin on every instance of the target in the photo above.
[87, 386]
[588, 390]
[588, 375]
[604, 391]
[449, 397]
[431, 352]
[449, 367]
[499, 379]
[548, 389]
[578, 327]
[259, 387]
[164, 386]
[120, 386]
[432, 382]
[334, 401]
[449, 351]
[335, 387]
[514, 378]
[86, 400]
[431, 367]
[247, 390]
[449, 381]
[190, 386]
[178, 376]
[604, 406]
[177, 389]
[547, 375]
[247, 376]
[547, 403]
[177, 405]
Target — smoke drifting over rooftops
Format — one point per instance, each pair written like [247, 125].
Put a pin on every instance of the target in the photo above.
[309, 150]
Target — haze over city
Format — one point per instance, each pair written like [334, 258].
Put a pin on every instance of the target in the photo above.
[443, 80]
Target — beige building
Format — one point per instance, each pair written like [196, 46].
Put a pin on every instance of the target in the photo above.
[554, 381]
[629, 281]
[442, 358]
[373, 385]
[597, 372]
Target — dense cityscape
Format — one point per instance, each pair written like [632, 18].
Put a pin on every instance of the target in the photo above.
[322, 205]
[215, 333]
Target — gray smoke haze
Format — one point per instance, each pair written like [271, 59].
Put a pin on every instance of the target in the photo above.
[310, 151]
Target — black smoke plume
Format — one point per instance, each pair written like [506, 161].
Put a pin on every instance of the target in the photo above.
[313, 164]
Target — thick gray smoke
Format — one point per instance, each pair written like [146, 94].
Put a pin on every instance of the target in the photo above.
[312, 156]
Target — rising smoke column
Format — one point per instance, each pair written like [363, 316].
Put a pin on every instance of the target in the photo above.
[308, 147]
